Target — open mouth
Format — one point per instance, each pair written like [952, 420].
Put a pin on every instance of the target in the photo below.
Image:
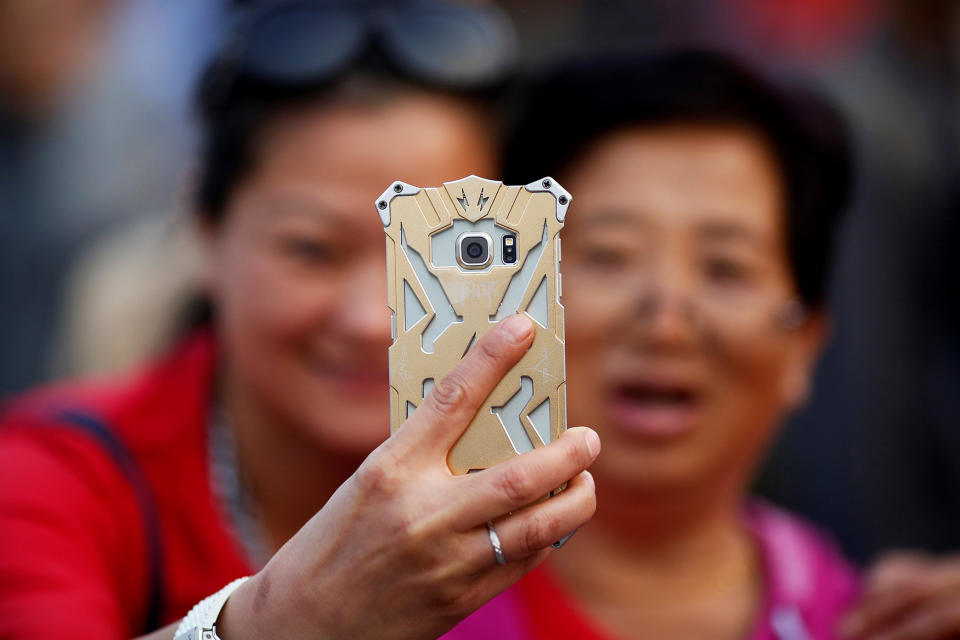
[654, 410]
[656, 397]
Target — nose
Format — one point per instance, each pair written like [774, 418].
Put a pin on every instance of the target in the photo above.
[665, 309]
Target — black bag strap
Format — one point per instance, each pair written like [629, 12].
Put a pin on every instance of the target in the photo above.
[93, 426]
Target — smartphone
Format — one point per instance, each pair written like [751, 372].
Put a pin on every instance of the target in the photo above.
[461, 257]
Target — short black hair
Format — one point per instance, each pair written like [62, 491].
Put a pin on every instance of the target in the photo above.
[582, 99]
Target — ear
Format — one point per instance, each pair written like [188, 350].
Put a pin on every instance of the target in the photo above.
[805, 345]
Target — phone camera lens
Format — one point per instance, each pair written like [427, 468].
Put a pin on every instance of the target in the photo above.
[473, 250]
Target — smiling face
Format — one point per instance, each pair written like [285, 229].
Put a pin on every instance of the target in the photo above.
[297, 267]
[677, 288]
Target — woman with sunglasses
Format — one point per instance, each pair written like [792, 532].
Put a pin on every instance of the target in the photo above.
[695, 264]
[247, 450]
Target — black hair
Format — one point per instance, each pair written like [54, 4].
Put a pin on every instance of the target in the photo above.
[580, 100]
[262, 71]
[231, 126]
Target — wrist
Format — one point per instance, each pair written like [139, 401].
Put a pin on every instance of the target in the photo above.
[238, 617]
[201, 622]
[265, 606]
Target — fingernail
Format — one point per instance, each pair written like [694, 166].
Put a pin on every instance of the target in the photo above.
[518, 327]
[593, 442]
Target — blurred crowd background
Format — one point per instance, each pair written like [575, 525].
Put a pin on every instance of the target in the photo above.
[96, 140]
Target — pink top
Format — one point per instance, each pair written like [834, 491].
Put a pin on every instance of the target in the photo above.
[808, 587]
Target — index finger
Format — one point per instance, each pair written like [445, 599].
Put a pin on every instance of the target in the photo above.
[894, 586]
[893, 570]
[449, 408]
[875, 613]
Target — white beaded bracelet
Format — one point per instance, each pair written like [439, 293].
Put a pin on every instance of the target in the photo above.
[200, 623]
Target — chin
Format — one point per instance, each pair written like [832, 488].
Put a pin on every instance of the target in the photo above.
[351, 432]
[330, 425]
[650, 474]
[627, 464]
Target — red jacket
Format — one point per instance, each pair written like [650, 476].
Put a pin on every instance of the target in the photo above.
[76, 537]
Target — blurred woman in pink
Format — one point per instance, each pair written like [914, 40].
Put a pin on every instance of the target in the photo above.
[695, 264]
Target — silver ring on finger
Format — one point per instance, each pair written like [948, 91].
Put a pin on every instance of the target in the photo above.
[495, 543]
[562, 541]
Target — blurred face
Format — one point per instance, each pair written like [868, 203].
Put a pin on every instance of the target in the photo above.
[44, 45]
[683, 347]
[297, 268]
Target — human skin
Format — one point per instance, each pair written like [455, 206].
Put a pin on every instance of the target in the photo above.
[676, 281]
[908, 596]
[390, 544]
[45, 47]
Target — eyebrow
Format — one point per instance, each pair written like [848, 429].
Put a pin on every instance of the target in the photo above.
[614, 218]
[728, 232]
[712, 231]
[292, 205]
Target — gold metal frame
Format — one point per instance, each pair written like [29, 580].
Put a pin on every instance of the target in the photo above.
[477, 299]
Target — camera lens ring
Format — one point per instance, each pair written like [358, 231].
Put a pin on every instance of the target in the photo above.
[474, 250]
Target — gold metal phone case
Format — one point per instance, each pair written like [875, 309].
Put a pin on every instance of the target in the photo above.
[445, 294]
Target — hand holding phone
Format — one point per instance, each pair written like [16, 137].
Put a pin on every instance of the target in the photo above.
[402, 549]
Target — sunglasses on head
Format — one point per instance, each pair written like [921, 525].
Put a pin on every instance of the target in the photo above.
[304, 43]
